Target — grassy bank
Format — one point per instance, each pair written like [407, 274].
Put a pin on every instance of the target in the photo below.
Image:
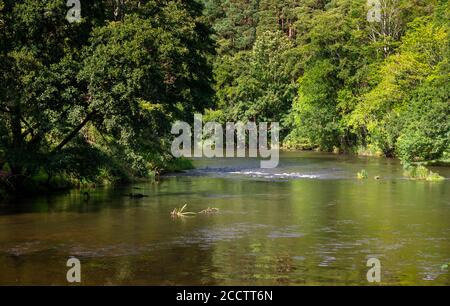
[44, 183]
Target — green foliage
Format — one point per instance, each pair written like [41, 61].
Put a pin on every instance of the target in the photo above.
[315, 117]
[178, 164]
[95, 99]
[258, 85]
[444, 267]
[421, 173]
[426, 133]
[357, 99]
[362, 174]
[359, 83]
[356, 79]
[390, 105]
[234, 23]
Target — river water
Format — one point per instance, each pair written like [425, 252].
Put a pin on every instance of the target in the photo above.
[307, 222]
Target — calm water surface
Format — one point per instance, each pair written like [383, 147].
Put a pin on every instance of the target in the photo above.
[310, 221]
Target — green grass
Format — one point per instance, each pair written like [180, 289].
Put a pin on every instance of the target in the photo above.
[362, 175]
[178, 165]
[422, 173]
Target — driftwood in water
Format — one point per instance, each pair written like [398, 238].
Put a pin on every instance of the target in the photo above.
[209, 210]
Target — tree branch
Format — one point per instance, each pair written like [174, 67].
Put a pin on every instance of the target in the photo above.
[75, 131]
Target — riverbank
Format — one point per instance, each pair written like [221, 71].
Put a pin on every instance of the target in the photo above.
[39, 184]
[414, 170]
[42, 183]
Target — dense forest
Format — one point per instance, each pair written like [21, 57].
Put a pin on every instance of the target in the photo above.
[333, 79]
[93, 101]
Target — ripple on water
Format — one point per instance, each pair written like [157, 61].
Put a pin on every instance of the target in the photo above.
[254, 173]
[214, 234]
[326, 261]
[116, 250]
[286, 232]
[24, 248]
[268, 175]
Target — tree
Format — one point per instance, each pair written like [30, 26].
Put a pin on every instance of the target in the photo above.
[121, 74]
[234, 23]
[426, 134]
[420, 57]
[336, 54]
[358, 75]
[261, 83]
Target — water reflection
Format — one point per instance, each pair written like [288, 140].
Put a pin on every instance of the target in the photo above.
[292, 231]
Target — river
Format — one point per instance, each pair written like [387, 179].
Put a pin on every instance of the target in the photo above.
[307, 222]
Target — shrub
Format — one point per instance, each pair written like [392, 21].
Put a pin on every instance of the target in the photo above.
[421, 173]
[363, 174]
[426, 135]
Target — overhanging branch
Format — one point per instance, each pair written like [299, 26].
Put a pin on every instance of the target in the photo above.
[72, 134]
